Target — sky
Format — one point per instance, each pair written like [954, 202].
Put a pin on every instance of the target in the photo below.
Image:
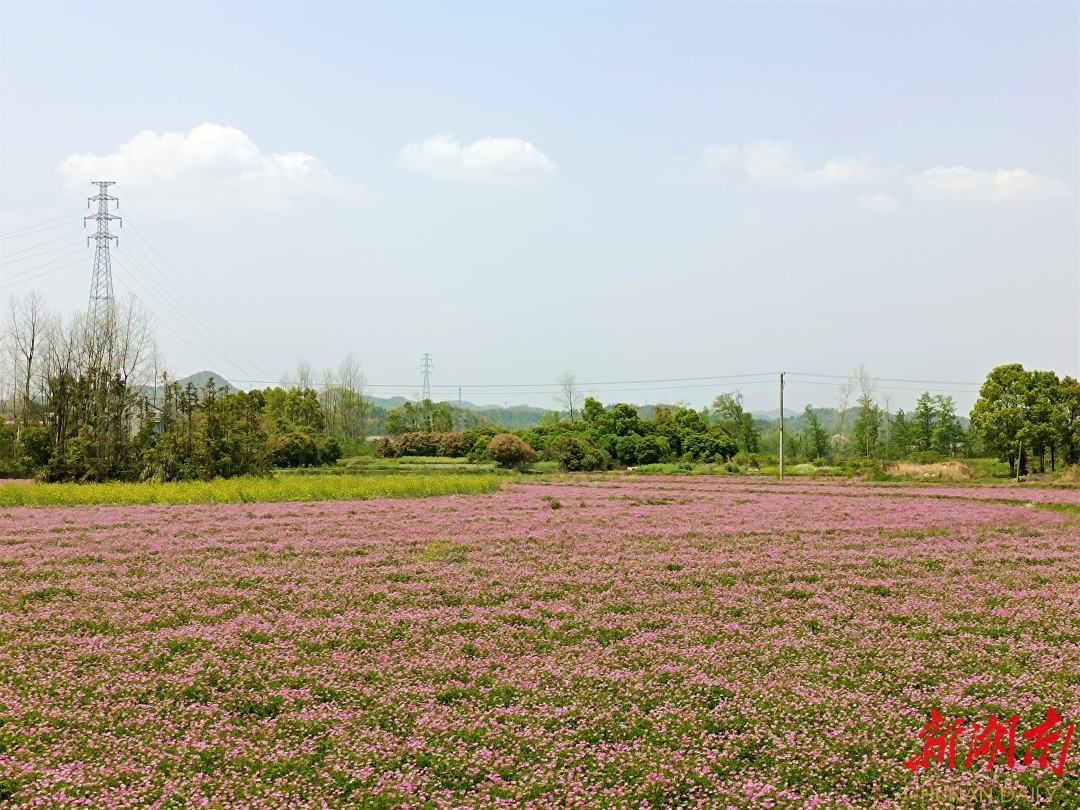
[671, 200]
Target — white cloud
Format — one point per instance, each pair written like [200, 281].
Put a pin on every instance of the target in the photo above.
[959, 185]
[880, 204]
[211, 169]
[772, 163]
[492, 161]
[776, 164]
[717, 156]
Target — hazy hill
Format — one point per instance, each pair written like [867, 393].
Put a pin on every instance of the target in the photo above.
[198, 379]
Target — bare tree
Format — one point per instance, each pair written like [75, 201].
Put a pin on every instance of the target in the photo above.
[868, 424]
[304, 375]
[27, 324]
[329, 396]
[843, 399]
[866, 384]
[95, 370]
[354, 399]
[134, 343]
[160, 371]
[569, 395]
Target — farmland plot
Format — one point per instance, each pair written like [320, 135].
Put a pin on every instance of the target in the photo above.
[648, 643]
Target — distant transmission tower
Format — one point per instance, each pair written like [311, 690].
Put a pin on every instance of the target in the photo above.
[425, 370]
[101, 287]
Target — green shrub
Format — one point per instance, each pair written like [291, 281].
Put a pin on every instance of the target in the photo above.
[510, 451]
[712, 446]
[576, 453]
[653, 449]
[34, 446]
[626, 449]
[302, 447]
[744, 459]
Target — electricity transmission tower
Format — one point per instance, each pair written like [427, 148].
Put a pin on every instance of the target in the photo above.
[101, 287]
[425, 370]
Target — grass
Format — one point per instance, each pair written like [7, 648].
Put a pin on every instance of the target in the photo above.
[951, 470]
[249, 490]
[378, 461]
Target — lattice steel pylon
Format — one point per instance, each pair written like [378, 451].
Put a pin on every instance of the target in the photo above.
[101, 311]
[425, 370]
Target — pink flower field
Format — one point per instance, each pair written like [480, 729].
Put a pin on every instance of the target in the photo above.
[623, 643]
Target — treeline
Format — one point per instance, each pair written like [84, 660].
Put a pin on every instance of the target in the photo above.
[602, 437]
[82, 404]
[194, 434]
[88, 401]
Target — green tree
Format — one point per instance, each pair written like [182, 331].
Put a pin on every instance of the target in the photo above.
[815, 438]
[1000, 414]
[592, 412]
[900, 436]
[33, 447]
[510, 451]
[923, 420]
[1038, 433]
[624, 420]
[1067, 419]
[866, 431]
[405, 419]
[948, 434]
[576, 453]
[728, 414]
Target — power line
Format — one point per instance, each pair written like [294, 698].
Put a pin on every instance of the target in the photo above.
[882, 379]
[10, 281]
[166, 325]
[36, 255]
[218, 296]
[40, 200]
[46, 242]
[30, 230]
[4, 285]
[179, 301]
[183, 293]
[181, 313]
[894, 387]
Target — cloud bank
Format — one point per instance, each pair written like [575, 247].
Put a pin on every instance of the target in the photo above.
[959, 185]
[212, 169]
[488, 161]
[776, 164]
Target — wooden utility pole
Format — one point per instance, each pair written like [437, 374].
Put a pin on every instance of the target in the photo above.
[781, 425]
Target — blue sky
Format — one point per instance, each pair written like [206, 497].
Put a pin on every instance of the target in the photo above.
[632, 191]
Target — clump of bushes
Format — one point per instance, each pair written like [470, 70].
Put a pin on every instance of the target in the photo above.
[510, 451]
[576, 453]
[471, 444]
[302, 447]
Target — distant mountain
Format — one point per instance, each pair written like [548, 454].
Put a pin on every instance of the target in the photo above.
[388, 402]
[774, 414]
[201, 378]
[198, 379]
[514, 417]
